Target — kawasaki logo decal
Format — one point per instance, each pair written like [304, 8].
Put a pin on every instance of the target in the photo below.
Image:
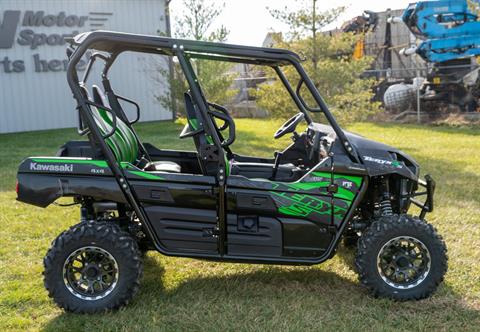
[393, 163]
[51, 168]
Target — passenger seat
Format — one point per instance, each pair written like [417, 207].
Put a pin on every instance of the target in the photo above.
[124, 143]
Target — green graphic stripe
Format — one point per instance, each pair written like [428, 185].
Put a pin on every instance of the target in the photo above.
[355, 179]
[396, 163]
[146, 175]
[304, 209]
[193, 123]
[100, 163]
[307, 186]
[342, 192]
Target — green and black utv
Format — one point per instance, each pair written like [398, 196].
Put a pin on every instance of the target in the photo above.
[212, 204]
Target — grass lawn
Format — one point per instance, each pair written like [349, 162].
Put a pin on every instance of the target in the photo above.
[185, 294]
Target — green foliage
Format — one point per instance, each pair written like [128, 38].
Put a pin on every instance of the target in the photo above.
[197, 19]
[216, 80]
[329, 63]
[306, 19]
[195, 23]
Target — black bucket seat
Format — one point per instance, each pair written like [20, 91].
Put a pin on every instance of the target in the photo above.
[124, 142]
[201, 139]
[252, 170]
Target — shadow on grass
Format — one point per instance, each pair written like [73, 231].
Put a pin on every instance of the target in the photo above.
[227, 301]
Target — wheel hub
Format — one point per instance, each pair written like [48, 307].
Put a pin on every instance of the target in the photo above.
[90, 273]
[403, 262]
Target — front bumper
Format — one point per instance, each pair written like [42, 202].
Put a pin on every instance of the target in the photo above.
[427, 206]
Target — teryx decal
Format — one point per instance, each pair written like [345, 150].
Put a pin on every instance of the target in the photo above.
[394, 163]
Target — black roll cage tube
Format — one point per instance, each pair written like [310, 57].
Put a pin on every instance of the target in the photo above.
[349, 149]
[83, 105]
[114, 118]
[296, 98]
[300, 98]
[109, 60]
[115, 110]
[300, 103]
[211, 130]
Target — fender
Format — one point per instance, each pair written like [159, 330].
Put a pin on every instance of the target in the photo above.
[44, 189]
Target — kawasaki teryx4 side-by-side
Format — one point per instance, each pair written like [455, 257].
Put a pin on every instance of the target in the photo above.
[213, 204]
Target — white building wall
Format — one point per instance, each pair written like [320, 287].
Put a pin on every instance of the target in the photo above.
[31, 100]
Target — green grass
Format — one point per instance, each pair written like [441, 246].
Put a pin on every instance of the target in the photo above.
[185, 294]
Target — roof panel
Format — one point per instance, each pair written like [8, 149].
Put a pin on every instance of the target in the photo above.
[109, 41]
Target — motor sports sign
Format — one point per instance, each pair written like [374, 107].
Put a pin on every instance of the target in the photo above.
[21, 29]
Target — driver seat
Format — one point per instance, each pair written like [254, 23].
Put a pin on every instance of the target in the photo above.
[251, 170]
[201, 139]
[124, 142]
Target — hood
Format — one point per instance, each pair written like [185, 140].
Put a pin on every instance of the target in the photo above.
[378, 158]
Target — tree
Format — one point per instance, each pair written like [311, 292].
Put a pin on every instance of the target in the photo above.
[307, 21]
[329, 63]
[195, 22]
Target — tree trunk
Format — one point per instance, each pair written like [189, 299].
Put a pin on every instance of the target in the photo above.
[314, 36]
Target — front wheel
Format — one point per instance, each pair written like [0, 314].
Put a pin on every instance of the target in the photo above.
[92, 267]
[401, 257]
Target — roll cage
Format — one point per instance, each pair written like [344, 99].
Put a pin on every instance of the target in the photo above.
[109, 45]
[115, 43]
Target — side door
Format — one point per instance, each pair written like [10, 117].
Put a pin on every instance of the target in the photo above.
[278, 219]
[181, 208]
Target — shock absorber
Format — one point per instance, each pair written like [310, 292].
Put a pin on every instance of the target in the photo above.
[385, 203]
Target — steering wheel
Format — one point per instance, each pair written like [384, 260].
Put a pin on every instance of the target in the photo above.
[289, 126]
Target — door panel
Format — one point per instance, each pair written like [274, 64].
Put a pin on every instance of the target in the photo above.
[181, 209]
[182, 228]
[303, 238]
[251, 235]
[303, 209]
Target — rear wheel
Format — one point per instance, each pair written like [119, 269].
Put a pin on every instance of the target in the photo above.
[92, 267]
[401, 257]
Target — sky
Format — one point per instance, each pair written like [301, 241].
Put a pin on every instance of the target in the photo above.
[249, 20]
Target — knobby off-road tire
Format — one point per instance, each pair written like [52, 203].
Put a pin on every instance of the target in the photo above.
[383, 272]
[97, 243]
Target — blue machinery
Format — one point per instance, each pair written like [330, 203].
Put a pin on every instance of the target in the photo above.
[451, 29]
[450, 34]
